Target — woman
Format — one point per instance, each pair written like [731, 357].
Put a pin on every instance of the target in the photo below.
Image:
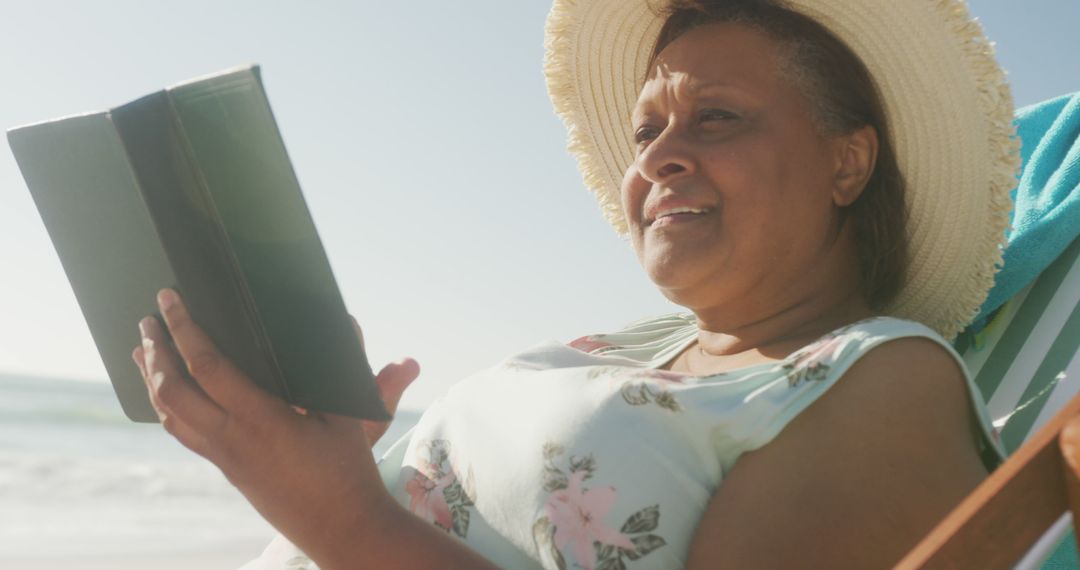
[763, 179]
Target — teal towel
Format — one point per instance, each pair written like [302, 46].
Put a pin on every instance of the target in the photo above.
[1046, 216]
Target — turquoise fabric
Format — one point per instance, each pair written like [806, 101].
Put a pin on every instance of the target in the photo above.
[1046, 217]
[1065, 555]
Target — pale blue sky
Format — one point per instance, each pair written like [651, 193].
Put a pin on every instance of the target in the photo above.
[457, 224]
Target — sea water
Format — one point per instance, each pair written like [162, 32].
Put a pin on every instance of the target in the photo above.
[78, 478]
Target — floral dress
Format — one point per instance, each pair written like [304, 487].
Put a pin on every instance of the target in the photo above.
[588, 455]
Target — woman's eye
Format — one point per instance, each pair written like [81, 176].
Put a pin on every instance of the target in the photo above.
[716, 115]
[645, 134]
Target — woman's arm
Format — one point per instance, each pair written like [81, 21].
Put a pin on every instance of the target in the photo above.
[858, 478]
[311, 476]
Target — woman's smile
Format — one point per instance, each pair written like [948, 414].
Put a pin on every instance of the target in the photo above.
[674, 210]
[679, 217]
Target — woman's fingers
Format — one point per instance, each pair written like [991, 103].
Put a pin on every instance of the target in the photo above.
[137, 356]
[217, 376]
[393, 379]
[182, 408]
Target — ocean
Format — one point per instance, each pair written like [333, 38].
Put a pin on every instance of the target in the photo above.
[77, 478]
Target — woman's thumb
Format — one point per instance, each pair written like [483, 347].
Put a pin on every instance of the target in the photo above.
[394, 378]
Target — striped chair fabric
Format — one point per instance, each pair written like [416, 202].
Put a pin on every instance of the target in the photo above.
[1026, 362]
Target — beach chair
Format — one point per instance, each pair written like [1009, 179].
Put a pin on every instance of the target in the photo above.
[1026, 362]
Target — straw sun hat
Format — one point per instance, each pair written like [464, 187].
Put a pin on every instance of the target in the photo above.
[946, 101]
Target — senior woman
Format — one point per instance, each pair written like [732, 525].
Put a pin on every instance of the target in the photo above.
[797, 175]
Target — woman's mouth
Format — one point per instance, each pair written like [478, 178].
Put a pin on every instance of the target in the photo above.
[680, 215]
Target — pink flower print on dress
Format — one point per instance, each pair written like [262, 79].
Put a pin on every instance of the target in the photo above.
[436, 493]
[578, 517]
[588, 344]
[427, 499]
[812, 362]
[574, 517]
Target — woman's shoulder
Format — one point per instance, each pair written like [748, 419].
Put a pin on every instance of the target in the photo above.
[890, 358]
[894, 348]
[872, 343]
[894, 407]
[879, 359]
[889, 333]
[880, 328]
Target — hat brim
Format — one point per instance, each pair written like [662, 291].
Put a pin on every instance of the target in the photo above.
[946, 101]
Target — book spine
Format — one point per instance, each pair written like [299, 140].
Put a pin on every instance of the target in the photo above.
[259, 336]
[274, 244]
[175, 196]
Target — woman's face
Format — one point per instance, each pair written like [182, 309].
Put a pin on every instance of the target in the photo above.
[732, 190]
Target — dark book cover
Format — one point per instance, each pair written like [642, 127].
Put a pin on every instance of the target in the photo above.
[191, 187]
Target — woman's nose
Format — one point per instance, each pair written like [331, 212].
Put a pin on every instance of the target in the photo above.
[667, 156]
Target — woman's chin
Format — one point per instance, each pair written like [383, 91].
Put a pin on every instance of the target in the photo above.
[690, 281]
[672, 275]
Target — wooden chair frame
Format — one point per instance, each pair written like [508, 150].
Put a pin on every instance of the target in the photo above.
[1004, 516]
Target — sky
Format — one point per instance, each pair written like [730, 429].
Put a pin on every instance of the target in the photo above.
[456, 223]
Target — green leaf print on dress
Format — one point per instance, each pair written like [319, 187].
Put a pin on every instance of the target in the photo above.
[573, 519]
[643, 394]
[641, 387]
[811, 362]
[435, 491]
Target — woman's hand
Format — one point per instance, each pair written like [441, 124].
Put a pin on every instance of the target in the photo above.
[309, 474]
[392, 381]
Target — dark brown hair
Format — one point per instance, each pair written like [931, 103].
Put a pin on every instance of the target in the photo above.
[842, 94]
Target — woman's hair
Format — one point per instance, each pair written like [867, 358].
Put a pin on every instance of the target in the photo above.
[842, 95]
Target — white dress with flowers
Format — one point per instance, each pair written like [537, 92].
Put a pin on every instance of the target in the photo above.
[588, 455]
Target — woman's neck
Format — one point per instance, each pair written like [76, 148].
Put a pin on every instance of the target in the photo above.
[771, 319]
[771, 322]
[775, 335]
[728, 344]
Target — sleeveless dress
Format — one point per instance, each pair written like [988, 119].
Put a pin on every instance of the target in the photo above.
[589, 455]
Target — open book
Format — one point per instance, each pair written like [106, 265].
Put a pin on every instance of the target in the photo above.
[191, 187]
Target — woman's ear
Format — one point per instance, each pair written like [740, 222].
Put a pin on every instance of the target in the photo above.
[857, 154]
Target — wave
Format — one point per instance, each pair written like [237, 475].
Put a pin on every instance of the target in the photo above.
[43, 400]
[49, 400]
[78, 477]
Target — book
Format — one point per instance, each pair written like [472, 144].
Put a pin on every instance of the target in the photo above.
[191, 187]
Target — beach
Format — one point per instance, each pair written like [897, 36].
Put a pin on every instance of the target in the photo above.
[81, 486]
